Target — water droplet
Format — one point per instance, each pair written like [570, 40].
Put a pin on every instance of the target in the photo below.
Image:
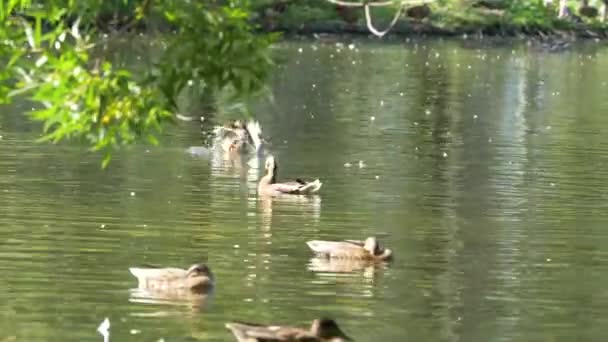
[548, 259]
[347, 164]
[102, 226]
[475, 116]
[300, 50]
[377, 177]
[361, 164]
[236, 246]
[134, 331]
[401, 94]
[445, 154]
[372, 118]
[427, 112]
[351, 46]
[381, 103]
[132, 193]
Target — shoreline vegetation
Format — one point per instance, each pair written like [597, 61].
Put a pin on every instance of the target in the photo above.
[496, 18]
[539, 19]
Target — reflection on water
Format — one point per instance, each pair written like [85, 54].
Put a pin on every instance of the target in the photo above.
[483, 168]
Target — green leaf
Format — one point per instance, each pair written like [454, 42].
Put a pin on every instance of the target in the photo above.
[152, 139]
[106, 160]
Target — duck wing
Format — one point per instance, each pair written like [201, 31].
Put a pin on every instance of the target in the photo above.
[330, 247]
[158, 274]
[297, 187]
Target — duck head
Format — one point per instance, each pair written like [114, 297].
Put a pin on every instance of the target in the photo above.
[200, 272]
[372, 246]
[271, 168]
[327, 329]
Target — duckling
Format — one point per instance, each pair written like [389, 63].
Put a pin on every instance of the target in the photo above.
[369, 249]
[198, 277]
[268, 185]
[323, 329]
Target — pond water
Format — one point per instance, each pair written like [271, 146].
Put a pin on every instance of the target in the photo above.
[484, 169]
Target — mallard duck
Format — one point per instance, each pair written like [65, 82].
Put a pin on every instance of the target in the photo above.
[237, 136]
[268, 184]
[323, 329]
[369, 249]
[197, 277]
[341, 265]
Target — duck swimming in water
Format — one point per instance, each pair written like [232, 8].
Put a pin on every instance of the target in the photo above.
[268, 185]
[323, 329]
[369, 249]
[239, 137]
[197, 277]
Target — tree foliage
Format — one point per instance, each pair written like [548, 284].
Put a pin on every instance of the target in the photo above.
[49, 49]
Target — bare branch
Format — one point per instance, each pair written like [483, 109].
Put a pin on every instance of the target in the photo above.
[370, 25]
[368, 17]
[361, 4]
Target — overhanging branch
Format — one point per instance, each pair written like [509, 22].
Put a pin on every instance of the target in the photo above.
[368, 16]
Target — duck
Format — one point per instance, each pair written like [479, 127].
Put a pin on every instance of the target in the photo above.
[240, 137]
[369, 249]
[322, 329]
[268, 185]
[341, 265]
[196, 278]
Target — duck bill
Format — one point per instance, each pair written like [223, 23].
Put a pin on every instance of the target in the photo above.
[387, 254]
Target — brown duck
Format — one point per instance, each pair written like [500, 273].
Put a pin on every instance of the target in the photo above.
[269, 186]
[197, 277]
[323, 329]
[369, 249]
[240, 137]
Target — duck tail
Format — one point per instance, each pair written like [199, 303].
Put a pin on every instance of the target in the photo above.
[138, 273]
[310, 188]
[313, 245]
[255, 132]
[314, 187]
